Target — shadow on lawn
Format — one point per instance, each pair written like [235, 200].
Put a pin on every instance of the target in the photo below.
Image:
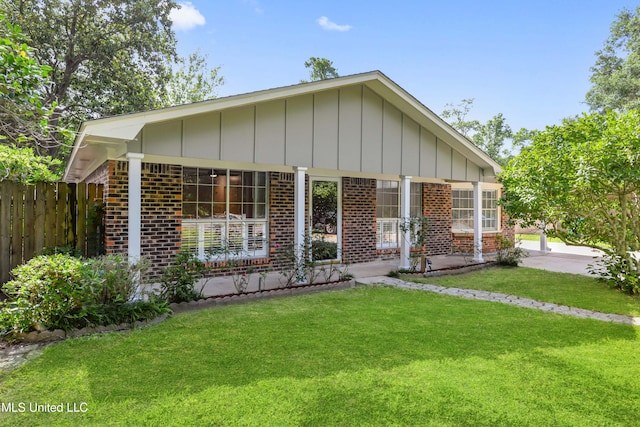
[311, 336]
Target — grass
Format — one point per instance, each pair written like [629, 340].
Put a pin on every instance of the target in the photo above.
[559, 288]
[364, 356]
[536, 238]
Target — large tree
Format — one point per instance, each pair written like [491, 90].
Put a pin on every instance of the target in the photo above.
[456, 116]
[192, 81]
[583, 179]
[24, 123]
[494, 136]
[615, 76]
[320, 69]
[106, 56]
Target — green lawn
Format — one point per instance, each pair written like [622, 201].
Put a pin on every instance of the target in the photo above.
[536, 238]
[560, 288]
[363, 356]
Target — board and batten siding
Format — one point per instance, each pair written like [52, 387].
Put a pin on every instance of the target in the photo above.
[348, 129]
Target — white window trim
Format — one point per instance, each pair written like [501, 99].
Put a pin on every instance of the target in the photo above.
[379, 221]
[228, 221]
[486, 187]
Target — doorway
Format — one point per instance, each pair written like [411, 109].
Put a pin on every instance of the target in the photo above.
[325, 218]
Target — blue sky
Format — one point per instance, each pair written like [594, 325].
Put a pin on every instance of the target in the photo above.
[529, 60]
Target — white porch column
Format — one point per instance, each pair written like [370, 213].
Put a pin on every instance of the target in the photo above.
[298, 206]
[543, 239]
[135, 204]
[405, 214]
[477, 222]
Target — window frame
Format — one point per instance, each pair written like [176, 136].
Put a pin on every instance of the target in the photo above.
[249, 234]
[468, 207]
[387, 226]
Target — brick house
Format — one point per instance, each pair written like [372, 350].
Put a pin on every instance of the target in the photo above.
[344, 158]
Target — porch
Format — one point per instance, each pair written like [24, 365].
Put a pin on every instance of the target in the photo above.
[224, 285]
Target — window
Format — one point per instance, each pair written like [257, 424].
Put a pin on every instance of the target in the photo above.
[463, 210]
[388, 211]
[224, 210]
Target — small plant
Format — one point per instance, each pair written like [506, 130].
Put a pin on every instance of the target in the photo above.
[111, 279]
[509, 253]
[241, 280]
[418, 228]
[179, 278]
[328, 271]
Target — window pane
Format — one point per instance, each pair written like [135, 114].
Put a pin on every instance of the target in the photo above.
[205, 176]
[235, 178]
[204, 210]
[220, 178]
[247, 179]
[189, 210]
[219, 209]
[189, 175]
[235, 211]
[235, 194]
[247, 195]
[247, 210]
[205, 193]
[190, 193]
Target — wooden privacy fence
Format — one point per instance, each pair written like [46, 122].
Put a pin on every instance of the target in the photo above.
[40, 216]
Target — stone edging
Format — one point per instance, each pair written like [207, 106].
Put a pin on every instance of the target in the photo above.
[59, 334]
[272, 293]
[450, 271]
[510, 300]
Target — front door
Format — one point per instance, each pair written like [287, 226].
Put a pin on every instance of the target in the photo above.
[325, 218]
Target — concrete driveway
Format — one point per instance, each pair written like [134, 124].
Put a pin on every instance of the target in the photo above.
[560, 257]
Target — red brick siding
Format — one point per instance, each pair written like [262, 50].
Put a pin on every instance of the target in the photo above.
[100, 175]
[358, 219]
[281, 215]
[463, 242]
[161, 212]
[117, 211]
[437, 206]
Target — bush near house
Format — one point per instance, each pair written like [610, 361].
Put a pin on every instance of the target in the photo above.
[64, 292]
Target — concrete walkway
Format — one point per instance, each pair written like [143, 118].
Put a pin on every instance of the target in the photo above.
[560, 257]
[504, 299]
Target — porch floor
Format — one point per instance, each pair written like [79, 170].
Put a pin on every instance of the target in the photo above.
[224, 285]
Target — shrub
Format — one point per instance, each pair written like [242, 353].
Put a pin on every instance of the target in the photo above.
[63, 292]
[111, 279]
[322, 249]
[65, 250]
[111, 295]
[46, 293]
[179, 278]
[508, 253]
[619, 272]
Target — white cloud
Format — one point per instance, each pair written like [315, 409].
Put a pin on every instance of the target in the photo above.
[186, 17]
[328, 25]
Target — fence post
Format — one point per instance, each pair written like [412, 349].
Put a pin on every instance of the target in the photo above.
[5, 231]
